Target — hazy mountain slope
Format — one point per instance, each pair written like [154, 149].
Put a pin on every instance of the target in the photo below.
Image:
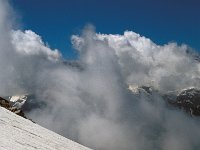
[17, 133]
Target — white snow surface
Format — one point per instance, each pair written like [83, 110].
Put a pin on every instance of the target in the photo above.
[18, 98]
[17, 133]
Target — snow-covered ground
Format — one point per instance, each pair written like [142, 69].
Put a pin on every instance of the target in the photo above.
[17, 133]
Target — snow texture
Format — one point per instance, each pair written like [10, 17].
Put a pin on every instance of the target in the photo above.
[17, 133]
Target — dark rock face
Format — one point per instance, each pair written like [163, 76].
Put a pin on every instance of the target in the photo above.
[8, 105]
[148, 89]
[4, 103]
[189, 100]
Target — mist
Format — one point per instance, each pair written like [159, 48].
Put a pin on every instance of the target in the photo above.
[91, 103]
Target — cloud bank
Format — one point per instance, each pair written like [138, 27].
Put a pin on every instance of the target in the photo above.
[142, 62]
[93, 105]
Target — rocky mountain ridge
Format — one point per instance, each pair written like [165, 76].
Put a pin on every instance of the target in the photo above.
[186, 99]
[11, 106]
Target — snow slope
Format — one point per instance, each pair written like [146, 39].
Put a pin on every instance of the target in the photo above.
[17, 133]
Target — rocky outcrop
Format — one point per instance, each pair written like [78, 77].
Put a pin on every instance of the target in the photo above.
[189, 100]
[186, 99]
[8, 105]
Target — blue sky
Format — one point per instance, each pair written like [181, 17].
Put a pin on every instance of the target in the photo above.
[162, 21]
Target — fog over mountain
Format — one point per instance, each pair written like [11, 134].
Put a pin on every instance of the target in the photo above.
[92, 104]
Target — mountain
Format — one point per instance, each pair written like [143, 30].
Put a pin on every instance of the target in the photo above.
[12, 106]
[18, 133]
[185, 99]
[188, 100]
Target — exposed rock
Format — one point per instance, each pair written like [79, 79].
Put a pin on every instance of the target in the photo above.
[9, 105]
[5, 103]
[140, 89]
[189, 100]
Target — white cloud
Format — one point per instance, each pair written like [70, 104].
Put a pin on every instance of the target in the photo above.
[145, 63]
[29, 43]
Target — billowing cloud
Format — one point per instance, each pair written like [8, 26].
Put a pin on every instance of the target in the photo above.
[144, 63]
[90, 101]
[29, 43]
